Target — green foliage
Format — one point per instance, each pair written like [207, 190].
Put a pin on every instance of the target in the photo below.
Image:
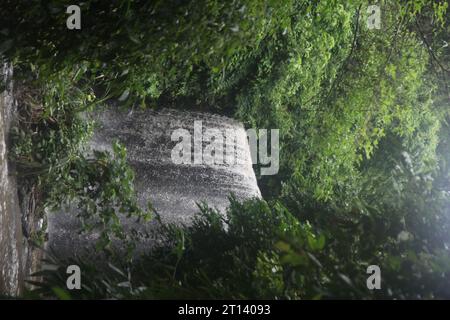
[261, 250]
[50, 131]
[217, 256]
[170, 38]
[312, 70]
[102, 188]
[48, 148]
[364, 165]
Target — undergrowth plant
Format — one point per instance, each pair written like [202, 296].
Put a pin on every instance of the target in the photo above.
[49, 149]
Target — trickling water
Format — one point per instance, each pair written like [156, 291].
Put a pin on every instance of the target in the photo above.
[10, 216]
[173, 189]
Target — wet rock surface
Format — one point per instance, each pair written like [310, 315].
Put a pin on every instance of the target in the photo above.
[20, 255]
[11, 237]
[173, 189]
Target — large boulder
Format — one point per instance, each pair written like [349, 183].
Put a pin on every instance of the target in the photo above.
[173, 188]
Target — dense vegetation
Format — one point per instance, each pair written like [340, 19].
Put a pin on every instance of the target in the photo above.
[363, 127]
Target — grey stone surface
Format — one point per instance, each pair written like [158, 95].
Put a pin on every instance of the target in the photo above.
[173, 189]
[11, 237]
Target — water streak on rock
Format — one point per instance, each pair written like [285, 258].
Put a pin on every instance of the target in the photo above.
[173, 189]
